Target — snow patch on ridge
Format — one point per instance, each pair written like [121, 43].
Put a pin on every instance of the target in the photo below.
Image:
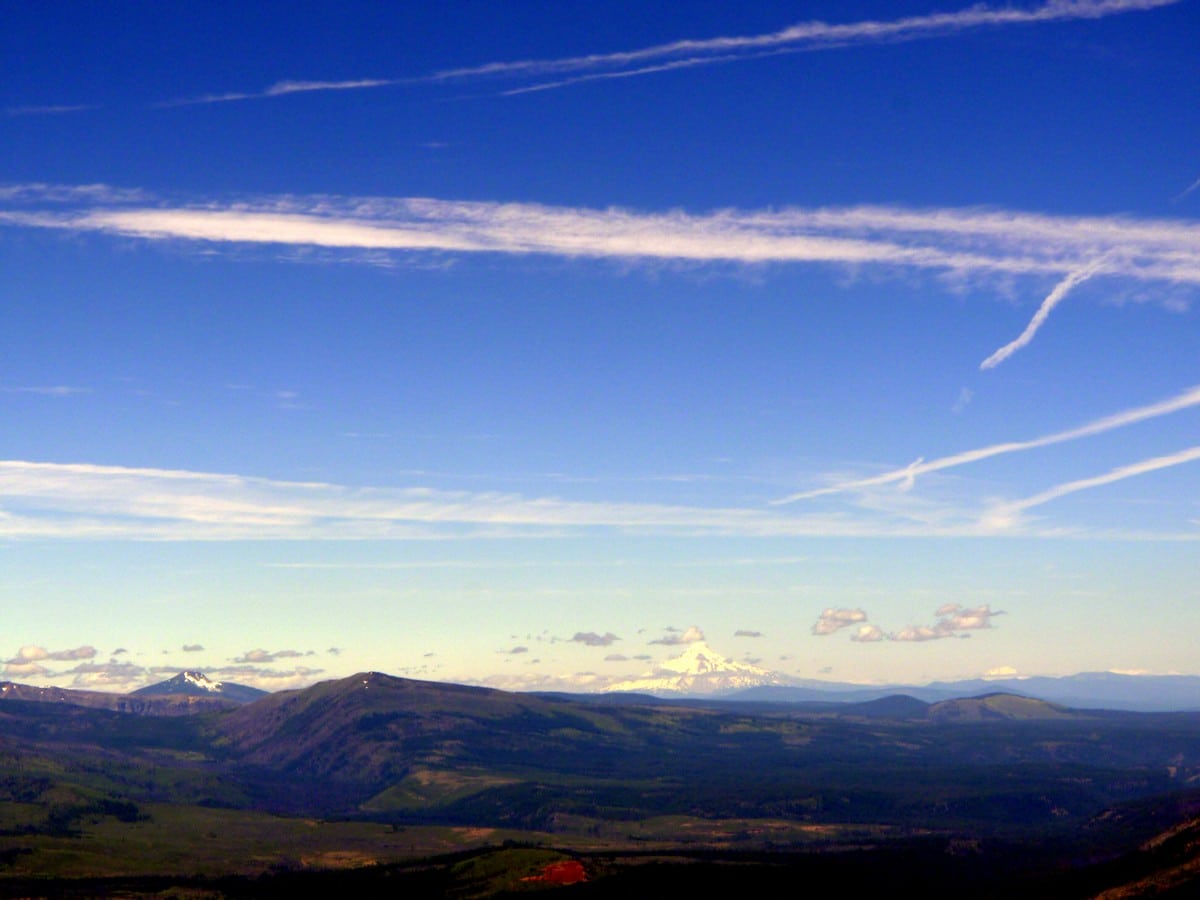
[200, 680]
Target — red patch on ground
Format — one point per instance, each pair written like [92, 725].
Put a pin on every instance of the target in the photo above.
[567, 872]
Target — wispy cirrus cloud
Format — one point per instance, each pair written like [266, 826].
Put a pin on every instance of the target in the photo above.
[973, 242]
[50, 110]
[83, 500]
[42, 193]
[260, 655]
[550, 73]
[799, 38]
[282, 89]
[51, 390]
[86, 501]
[30, 660]
[905, 476]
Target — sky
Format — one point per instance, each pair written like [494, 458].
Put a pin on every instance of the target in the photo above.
[521, 343]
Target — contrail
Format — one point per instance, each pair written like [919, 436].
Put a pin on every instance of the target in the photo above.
[1052, 300]
[1004, 514]
[685, 53]
[799, 37]
[905, 476]
[1187, 190]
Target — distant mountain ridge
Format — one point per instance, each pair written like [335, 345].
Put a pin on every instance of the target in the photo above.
[1086, 690]
[163, 704]
[699, 671]
[197, 684]
[376, 748]
[700, 674]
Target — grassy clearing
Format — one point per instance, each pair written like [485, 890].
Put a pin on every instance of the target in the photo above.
[430, 788]
[190, 840]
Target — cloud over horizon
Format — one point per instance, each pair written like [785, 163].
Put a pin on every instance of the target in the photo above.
[831, 620]
[592, 639]
[675, 638]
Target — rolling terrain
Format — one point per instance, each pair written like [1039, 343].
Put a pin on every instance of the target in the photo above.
[376, 771]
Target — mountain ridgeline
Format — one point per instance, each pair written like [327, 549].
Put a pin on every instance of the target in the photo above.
[197, 684]
[624, 769]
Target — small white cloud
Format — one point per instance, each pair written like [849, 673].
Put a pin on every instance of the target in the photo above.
[29, 653]
[953, 619]
[25, 669]
[918, 633]
[690, 636]
[867, 634]
[592, 639]
[1001, 672]
[265, 656]
[109, 676]
[34, 653]
[960, 619]
[832, 620]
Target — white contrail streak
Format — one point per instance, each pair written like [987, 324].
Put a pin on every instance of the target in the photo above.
[1052, 300]
[687, 53]
[1187, 190]
[1005, 514]
[281, 89]
[804, 36]
[1185, 400]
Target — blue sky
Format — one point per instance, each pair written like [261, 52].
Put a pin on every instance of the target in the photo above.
[507, 342]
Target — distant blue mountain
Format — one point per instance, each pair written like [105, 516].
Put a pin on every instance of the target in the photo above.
[1087, 690]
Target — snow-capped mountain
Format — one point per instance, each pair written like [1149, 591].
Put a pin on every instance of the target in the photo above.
[197, 684]
[700, 670]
